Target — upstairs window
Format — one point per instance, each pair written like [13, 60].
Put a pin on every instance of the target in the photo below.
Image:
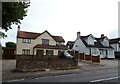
[45, 41]
[59, 43]
[26, 40]
[26, 52]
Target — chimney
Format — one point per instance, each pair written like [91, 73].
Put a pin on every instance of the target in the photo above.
[78, 35]
[102, 35]
[18, 28]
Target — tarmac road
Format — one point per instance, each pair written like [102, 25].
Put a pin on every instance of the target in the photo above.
[104, 75]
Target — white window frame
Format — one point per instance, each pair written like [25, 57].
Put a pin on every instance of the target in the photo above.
[26, 40]
[26, 51]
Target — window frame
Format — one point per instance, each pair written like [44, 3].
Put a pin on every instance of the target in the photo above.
[26, 51]
[45, 41]
[26, 40]
[49, 52]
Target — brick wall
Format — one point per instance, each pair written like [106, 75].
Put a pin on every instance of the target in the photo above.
[88, 57]
[96, 59]
[117, 54]
[51, 62]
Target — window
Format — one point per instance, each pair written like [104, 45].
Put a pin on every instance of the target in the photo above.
[45, 41]
[49, 52]
[110, 52]
[94, 51]
[26, 40]
[26, 51]
[101, 52]
[59, 52]
[60, 43]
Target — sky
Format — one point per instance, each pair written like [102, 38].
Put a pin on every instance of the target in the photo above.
[66, 17]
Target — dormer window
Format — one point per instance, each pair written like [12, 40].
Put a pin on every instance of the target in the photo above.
[59, 43]
[45, 41]
[26, 40]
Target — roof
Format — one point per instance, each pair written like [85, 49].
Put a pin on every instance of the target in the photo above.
[97, 44]
[70, 44]
[32, 35]
[24, 34]
[85, 43]
[51, 46]
[115, 40]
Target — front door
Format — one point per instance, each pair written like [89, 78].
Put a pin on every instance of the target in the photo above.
[106, 54]
[39, 53]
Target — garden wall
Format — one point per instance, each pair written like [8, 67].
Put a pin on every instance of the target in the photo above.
[51, 62]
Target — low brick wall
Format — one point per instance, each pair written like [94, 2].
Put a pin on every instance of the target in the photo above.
[47, 62]
[88, 57]
[82, 56]
[117, 54]
[96, 59]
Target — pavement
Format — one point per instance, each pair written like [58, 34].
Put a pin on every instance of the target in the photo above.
[7, 74]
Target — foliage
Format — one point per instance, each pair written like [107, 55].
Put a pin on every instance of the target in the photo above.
[2, 35]
[13, 12]
[10, 45]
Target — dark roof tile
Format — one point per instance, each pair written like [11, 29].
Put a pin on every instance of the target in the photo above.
[51, 46]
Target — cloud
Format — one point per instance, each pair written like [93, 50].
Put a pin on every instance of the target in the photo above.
[67, 17]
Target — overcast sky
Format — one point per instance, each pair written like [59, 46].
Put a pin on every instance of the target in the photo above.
[67, 17]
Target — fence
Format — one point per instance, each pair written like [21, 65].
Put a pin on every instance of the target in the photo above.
[8, 53]
[117, 54]
[82, 56]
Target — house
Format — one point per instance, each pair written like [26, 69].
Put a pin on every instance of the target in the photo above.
[106, 50]
[115, 43]
[93, 46]
[39, 44]
[70, 45]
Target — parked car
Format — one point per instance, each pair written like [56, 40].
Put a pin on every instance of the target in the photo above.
[66, 55]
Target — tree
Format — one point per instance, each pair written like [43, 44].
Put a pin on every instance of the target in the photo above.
[13, 12]
[10, 44]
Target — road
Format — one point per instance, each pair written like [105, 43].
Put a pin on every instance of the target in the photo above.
[103, 75]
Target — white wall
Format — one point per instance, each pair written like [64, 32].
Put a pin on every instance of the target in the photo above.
[79, 46]
[95, 50]
[111, 54]
[90, 40]
[105, 42]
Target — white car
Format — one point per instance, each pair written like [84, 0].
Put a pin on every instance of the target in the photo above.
[68, 55]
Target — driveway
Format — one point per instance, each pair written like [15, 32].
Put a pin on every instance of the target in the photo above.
[110, 62]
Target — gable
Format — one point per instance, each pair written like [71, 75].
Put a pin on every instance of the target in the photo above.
[45, 35]
[89, 39]
[78, 45]
[105, 42]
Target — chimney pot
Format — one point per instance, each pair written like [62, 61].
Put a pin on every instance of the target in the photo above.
[78, 34]
[18, 28]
